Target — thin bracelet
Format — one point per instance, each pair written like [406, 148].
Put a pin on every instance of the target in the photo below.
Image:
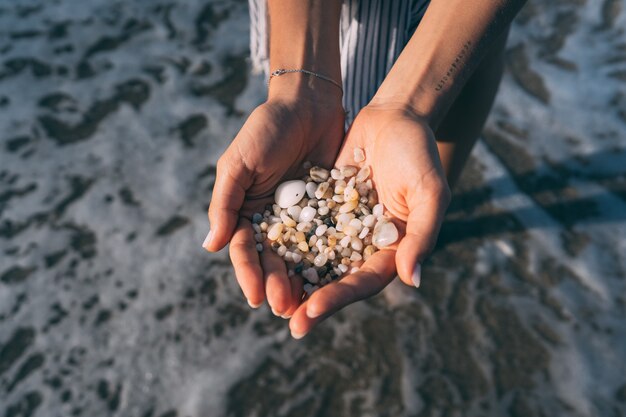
[282, 71]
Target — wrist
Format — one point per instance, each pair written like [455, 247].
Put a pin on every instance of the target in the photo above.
[305, 88]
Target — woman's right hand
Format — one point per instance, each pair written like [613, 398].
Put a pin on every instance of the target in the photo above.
[270, 148]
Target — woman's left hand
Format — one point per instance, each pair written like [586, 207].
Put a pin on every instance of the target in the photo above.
[401, 150]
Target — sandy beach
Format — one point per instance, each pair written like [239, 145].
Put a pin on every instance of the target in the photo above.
[112, 117]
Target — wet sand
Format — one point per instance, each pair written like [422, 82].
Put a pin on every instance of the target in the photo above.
[112, 116]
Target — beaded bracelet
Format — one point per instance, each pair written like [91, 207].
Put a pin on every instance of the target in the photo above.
[282, 71]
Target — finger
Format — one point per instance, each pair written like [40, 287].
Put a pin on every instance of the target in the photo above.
[296, 295]
[422, 230]
[228, 195]
[277, 284]
[375, 274]
[245, 259]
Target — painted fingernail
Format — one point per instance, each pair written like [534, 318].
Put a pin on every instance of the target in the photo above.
[416, 277]
[254, 305]
[207, 239]
[296, 335]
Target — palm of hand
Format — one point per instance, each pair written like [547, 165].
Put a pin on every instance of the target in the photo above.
[400, 149]
[269, 149]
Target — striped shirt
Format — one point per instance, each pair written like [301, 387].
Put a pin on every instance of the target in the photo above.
[372, 35]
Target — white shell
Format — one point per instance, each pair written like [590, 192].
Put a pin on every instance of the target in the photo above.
[289, 193]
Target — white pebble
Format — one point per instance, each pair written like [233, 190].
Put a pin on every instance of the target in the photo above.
[356, 223]
[282, 249]
[323, 211]
[310, 189]
[336, 174]
[364, 232]
[310, 274]
[363, 174]
[296, 257]
[369, 220]
[345, 241]
[321, 230]
[343, 268]
[377, 211]
[307, 214]
[320, 260]
[356, 244]
[385, 233]
[359, 155]
[294, 212]
[289, 193]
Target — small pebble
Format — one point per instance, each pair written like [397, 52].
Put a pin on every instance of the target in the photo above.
[289, 193]
[359, 155]
[259, 247]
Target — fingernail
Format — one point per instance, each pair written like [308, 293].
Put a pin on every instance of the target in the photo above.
[416, 277]
[311, 313]
[276, 313]
[286, 316]
[296, 335]
[207, 239]
[254, 305]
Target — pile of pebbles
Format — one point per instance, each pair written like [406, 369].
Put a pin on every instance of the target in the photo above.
[327, 224]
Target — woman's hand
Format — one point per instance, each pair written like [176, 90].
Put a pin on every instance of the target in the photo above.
[407, 173]
[270, 148]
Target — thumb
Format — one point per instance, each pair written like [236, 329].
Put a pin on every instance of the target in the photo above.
[229, 191]
[423, 224]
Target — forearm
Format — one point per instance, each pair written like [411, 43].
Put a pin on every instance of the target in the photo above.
[304, 34]
[447, 46]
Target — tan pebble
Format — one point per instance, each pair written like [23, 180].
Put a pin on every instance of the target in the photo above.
[355, 256]
[362, 189]
[300, 237]
[338, 198]
[288, 221]
[350, 231]
[321, 189]
[274, 231]
[303, 247]
[345, 261]
[346, 253]
[319, 174]
[264, 226]
[332, 241]
[348, 171]
[331, 204]
[328, 194]
[348, 207]
[352, 196]
[368, 251]
[372, 198]
[363, 174]
[367, 240]
[359, 155]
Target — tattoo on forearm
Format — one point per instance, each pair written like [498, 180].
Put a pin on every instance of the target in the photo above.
[454, 66]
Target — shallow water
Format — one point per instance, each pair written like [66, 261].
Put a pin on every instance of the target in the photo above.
[112, 116]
